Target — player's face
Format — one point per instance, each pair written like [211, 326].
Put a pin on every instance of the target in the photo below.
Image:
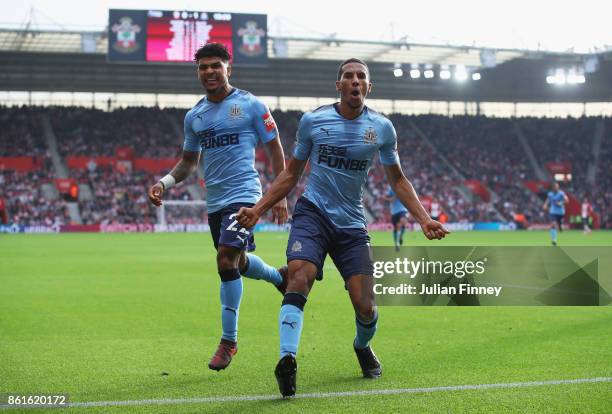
[214, 74]
[354, 85]
[555, 187]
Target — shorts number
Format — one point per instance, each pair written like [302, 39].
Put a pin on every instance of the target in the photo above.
[232, 226]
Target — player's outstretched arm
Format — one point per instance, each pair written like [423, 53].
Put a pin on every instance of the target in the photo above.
[405, 192]
[181, 171]
[282, 185]
[279, 211]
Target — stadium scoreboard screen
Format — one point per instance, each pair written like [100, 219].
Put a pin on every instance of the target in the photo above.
[174, 36]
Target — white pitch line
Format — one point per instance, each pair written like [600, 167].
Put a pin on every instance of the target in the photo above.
[208, 400]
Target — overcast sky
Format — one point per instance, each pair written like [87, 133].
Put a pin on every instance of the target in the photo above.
[526, 24]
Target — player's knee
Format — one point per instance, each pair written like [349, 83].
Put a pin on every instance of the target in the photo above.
[300, 281]
[366, 309]
[227, 259]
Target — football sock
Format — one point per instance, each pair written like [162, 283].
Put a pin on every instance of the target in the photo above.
[553, 235]
[258, 269]
[231, 293]
[290, 322]
[395, 239]
[365, 330]
[401, 235]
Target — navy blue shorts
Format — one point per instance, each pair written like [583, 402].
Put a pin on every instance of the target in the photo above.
[226, 231]
[313, 236]
[397, 217]
[557, 217]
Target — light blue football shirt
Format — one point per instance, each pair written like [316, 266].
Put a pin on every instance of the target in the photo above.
[396, 205]
[341, 152]
[556, 202]
[226, 133]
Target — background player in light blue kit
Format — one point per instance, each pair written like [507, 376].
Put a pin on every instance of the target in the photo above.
[398, 217]
[555, 203]
[340, 140]
[225, 127]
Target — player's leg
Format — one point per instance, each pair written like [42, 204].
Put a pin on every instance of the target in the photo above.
[395, 224]
[553, 230]
[351, 255]
[306, 250]
[251, 265]
[395, 238]
[230, 294]
[230, 241]
[360, 289]
[402, 224]
[585, 225]
[560, 222]
[301, 277]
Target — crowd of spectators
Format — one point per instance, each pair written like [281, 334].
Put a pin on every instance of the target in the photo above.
[437, 154]
[120, 197]
[24, 202]
[21, 133]
[563, 140]
[601, 195]
[433, 180]
[92, 132]
[487, 150]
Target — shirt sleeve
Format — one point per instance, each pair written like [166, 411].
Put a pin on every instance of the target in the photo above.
[192, 141]
[388, 149]
[263, 122]
[303, 137]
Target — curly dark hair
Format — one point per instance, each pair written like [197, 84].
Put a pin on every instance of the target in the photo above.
[213, 50]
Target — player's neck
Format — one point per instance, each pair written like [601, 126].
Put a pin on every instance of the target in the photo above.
[219, 94]
[349, 112]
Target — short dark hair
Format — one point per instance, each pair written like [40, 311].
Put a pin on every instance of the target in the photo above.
[213, 50]
[351, 60]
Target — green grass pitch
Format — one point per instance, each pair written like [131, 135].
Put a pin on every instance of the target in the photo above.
[115, 317]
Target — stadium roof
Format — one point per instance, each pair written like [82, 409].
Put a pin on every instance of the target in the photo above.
[52, 41]
[65, 41]
[391, 52]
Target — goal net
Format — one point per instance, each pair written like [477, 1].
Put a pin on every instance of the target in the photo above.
[182, 212]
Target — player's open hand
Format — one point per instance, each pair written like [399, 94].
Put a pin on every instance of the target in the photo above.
[434, 230]
[155, 194]
[247, 217]
[279, 212]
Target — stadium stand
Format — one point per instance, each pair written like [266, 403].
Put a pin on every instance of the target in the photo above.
[82, 131]
[21, 133]
[472, 165]
[25, 203]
